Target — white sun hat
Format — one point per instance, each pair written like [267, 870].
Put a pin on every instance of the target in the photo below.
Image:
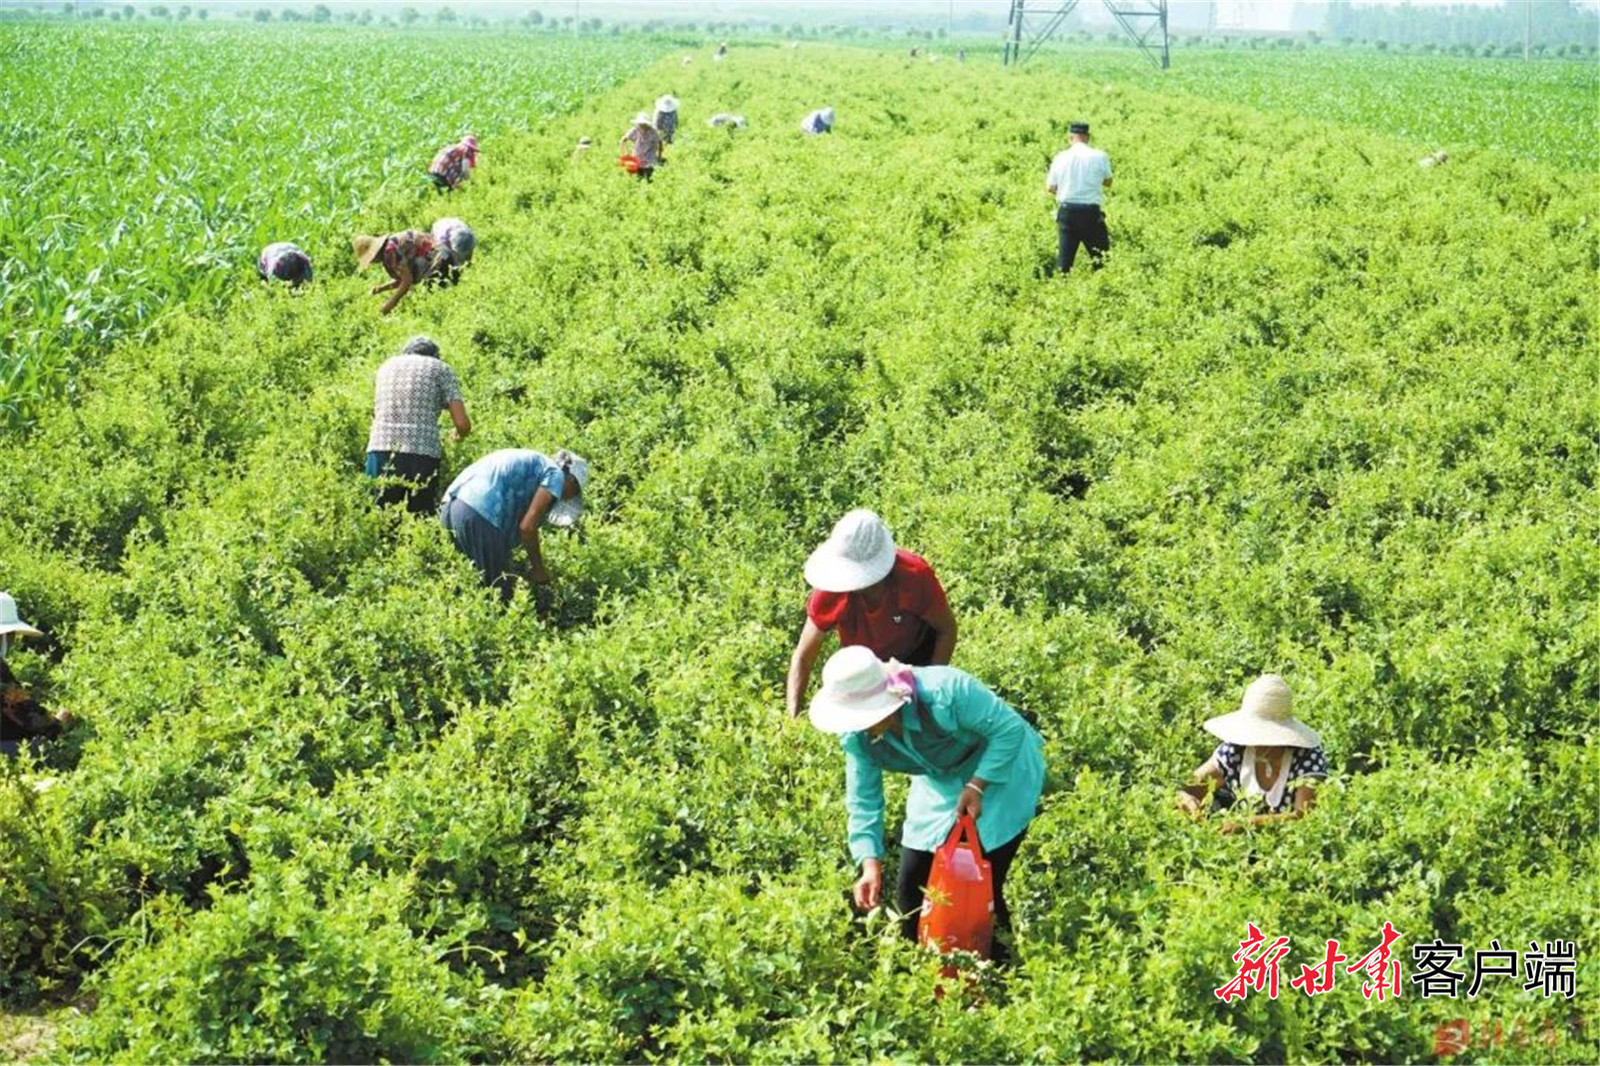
[1263, 718]
[10, 621]
[642, 119]
[859, 552]
[856, 691]
[667, 103]
[565, 513]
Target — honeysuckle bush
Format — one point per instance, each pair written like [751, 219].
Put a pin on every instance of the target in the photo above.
[330, 800]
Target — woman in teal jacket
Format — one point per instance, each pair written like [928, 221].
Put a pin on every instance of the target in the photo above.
[968, 753]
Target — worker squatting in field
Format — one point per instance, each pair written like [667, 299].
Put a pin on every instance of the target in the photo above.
[23, 723]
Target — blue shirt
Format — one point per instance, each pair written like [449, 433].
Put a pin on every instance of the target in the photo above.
[501, 485]
[955, 729]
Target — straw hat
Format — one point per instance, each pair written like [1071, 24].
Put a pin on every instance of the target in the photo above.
[1263, 718]
[642, 119]
[565, 513]
[366, 249]
[859, 552]
[10, 621]
[668, 103]
[856, 691]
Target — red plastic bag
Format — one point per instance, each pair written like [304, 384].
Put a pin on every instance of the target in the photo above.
[958, 903]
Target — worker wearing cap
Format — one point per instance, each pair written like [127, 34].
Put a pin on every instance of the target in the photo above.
[875, 594]
[1078, 179]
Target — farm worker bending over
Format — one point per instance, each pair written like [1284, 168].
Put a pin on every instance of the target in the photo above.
[819, 121]
[1078, 179]
[721, 53]
[1267, 758]
[406, 256]
[968, 753]
[505, 497]
[667, 117]
[723, 120]
[453, 163]
[453, 245]
[875, 595]
[403, 446]
[645, 141]
[21, 718]
[284, 261]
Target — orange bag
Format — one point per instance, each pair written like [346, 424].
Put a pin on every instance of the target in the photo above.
[958, 902]
[631, 163]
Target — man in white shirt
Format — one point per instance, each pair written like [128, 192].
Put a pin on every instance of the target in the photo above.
[1078, 179]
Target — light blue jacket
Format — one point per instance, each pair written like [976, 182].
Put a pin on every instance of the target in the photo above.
[953, 730]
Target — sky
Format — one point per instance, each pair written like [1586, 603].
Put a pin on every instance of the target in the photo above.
[1246, 13]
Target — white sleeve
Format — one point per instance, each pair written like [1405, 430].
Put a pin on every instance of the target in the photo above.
[1108, 165]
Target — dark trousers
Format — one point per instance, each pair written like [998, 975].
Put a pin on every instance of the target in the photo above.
[915, 866]
[483, 542]
[1083, 224]
[409, 479]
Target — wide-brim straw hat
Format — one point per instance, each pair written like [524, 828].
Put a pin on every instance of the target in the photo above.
[668, 103]
[366, 248]
[10, 621]
[1263, 718]
[859, 552]
[565, 513]
[856, 693]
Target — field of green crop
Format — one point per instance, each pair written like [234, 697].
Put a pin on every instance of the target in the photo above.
[1544, 112]
[1326, 413]
[140, 168]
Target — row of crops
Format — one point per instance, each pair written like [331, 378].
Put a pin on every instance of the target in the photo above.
[1326, 413]
[144, 167]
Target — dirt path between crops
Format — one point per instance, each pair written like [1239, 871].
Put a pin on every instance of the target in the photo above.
[25, 1036]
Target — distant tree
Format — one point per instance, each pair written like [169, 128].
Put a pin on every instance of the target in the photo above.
[534, 18]
[321, 13]
[184, 12]
[365, 18]
[263, 15]
[408, 15]
[160, 11]
[202, 14]
[443, 15]
[128, 12]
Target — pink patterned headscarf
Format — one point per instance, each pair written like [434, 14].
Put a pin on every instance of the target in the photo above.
[900, 681]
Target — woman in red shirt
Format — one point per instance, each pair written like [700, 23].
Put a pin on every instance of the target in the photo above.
[874, 594]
